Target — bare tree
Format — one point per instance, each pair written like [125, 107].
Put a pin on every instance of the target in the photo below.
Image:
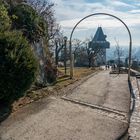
[82, 49]
[92, 55]
[118, 53]
[45, 9]
[92, 52]
[81, 56]
[76, 45]
[59, 45]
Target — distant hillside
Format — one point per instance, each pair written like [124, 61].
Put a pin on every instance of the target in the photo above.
[135, 52]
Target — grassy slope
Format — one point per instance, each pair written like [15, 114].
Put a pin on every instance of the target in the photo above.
[62, 82]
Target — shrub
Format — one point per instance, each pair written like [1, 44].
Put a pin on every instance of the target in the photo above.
[29, 22]
[51, 72]
[5, 22]
[17, 66]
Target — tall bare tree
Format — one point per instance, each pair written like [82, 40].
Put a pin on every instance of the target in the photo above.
[45, 9]
[82, 48]
[76, 45]
[59, 45]
[118, 53]
[92, 52]
[92, 55]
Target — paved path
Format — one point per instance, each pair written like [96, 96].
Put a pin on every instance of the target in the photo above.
[104, 90]
[103, 118]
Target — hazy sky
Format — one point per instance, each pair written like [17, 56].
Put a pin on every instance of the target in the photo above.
[69, 12]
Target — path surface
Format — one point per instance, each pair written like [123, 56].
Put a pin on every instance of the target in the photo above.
[105, 90]
[56, 119]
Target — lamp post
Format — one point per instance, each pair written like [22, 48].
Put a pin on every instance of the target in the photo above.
[56, 54]
[57, 40]
[65, 53]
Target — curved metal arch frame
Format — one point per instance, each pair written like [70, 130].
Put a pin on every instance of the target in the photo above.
[95, 14]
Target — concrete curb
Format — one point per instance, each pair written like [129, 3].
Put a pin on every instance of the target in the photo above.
[132, 131]
[95, 106]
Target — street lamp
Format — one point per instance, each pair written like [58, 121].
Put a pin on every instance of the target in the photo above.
[65, 53]
[56, 54]
[56, 41]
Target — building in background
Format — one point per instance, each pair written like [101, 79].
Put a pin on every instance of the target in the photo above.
[99, 44]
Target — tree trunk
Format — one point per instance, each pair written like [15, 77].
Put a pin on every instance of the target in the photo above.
[89, 62]
[56, 54]
[56, 59]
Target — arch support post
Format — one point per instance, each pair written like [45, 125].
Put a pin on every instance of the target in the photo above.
[71, 62]
[95, 14]
[129, 67]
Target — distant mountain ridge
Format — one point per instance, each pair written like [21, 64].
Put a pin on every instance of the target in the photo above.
[135, 52]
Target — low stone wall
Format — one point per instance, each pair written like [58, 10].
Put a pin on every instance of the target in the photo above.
[134, 126]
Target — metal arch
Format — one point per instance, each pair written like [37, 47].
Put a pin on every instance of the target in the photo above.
[130, 39]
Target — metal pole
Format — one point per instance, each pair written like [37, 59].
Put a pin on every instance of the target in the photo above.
[65, 57]
[71, 63]
[129, 68]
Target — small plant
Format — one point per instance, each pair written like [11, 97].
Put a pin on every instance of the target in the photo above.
[5, 22]
[29, 22]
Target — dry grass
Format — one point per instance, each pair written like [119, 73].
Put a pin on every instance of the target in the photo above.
[62, 82]
[79, 72]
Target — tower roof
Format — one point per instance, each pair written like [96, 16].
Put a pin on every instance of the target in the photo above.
[99, 39]
[99, 35]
